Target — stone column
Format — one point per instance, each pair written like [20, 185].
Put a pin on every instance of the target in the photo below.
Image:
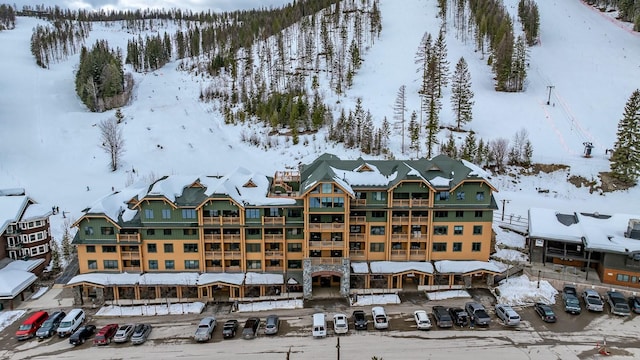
[307, 280]
[77, 295]
[100, 295]
[467, 281]
[345, 281]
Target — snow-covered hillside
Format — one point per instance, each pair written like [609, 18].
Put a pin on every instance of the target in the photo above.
[50, 142]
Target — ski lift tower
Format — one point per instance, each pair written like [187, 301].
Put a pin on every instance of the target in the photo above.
[588, 146]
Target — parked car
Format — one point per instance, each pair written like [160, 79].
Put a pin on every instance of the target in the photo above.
[71, 322]
[422, 320]
[124, 333]
[140, 333]
[50, 326]
[205, 329]
[634, 304]
[380, 319]
[459, 316]
[105, 335]
[251, 328]
[508, 316]
[443, 319]
[592, 300]
[618, 303]
[340, 324]
[478, 312]
[82, 334]
[570, 300]
[545, 312]
[360, 321]
[271, 325]
[30, 326]
[229, 329]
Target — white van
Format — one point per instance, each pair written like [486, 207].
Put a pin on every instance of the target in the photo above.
[319, 325]
[71, 322]
[380, 320]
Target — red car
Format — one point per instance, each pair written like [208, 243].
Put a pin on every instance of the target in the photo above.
[104, 336]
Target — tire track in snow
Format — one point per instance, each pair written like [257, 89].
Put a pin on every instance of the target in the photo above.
[555, 129]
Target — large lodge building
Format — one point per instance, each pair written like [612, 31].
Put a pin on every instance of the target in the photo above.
[343, 224]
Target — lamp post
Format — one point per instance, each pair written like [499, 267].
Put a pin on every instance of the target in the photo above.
[504, 203]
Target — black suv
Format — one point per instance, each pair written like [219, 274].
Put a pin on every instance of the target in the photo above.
[443, 319]
[82, 334]
[360, 320]
[459, 316]
[51, 325]
[229, 329]
[250, 328]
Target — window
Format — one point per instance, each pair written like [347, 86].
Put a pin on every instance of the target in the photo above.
[440, 230]
[378, 214]
[253, 248]
[254, 264]
[168, 248]
[166, 213]
[327, 202]
[355, 229]
[478, 214]
[459, 214]
[188, 213]
[253, 213]
[294, 247]
[480, 195]
[376, 247]
[294, 213]
[294, 231]
[167, 232]
[379, 195]
[88, 230]
[191, 264]
[294, 264]
[622, 277]
[190, 232]
[457, 230]
[190, 248]
[169, 265]
[327, 188]
[476, 246]
[106, 230]
[443, 195]
[377, 230]
[338, 202]
[92, 264]
[151, 232]
[314, 202]
[148, 213]
[108, 249]
[441, 214]
[91, 248]
[460, 195]
[110, 264]
[457, 246]
[253, 232]
[152, 248]
[477, 229]
[153, 264]
[274, 212]
[439, 247]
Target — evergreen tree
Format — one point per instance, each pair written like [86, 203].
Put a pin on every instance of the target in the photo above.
[469, 149]
[461, 93]
[449, 148]
[625, 161]
[442, 64]
[414, 134]
[399, 108]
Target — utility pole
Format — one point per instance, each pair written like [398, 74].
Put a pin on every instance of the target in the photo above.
[504, 202]
[549, 97]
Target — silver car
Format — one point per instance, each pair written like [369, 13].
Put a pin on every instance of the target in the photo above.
[124, 333]
[205, 329]
[271, 325]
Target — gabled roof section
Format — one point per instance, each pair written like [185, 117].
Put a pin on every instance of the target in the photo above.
[11, 209]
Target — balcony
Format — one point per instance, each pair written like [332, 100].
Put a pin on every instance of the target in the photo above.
[401, 237]
[274, 254]
[400, 220]
[357, 255]
[326, 226]
[356, 237]
[230, 220]
[233, 255]
[213, 269]
[420, 220]
[212, 237]
[215, 255]
[358, 202]
[273, 237]
[128, 237]
[326, 245]
[417, 236]
[131, 269]
[398, 254]
[401, 203]
[274, 268]
[17, 246]
[417, 254]
[273, 220]
[130, 255]
[326, 261]
[231, 237]
[357, 220]
[419, 202]
[232, 268]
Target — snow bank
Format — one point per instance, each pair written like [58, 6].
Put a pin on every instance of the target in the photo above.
[512, 256]
[520, 290]
[39, 293]
[363, 300]
[449, 294]
[9, 317]
[151, 310]
[270, 305]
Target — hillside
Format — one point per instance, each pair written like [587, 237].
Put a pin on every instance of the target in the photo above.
[590, 60]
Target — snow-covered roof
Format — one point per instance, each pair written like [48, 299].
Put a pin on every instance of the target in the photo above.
[36, 211]
[364, 178]
[227, 278]
[114, 204]
[595, 231]
[11, 208]
[395, 267]
[360, 267]
[253, 278]
[468, 266]
[184, 278]
[24, 265]
[106, 279]
[440, 181]
[233, 185]
[13, 282]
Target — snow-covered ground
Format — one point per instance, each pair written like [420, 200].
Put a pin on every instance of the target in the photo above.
[374, 299]
[39, 292]
[270, 305]
[8, 317]
[447, 294]
[520, 290]
[151, 310]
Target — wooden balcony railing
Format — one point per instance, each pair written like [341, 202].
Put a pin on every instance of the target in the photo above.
[130, 255]
[274, 268]
[401, 202]
[358, 202]
[274, 237]
[214, 268]
[326, 261]
[397, 220]
[231, 237]
[357, 254]
[212, 237]
[357, 219]
[232, 268]
[417, 254]
[326, 244]
[216, 255]
[420, 220]
[233, 255]
[400, 237]
[131, 269]
[418, 237]
[220, 220]
[419, 202]
[327, 226]
[230, 219]
[356, 237]
[273, 220]
[128, 237]
[272, 254]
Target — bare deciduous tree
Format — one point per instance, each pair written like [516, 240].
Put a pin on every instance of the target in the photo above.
[112, 141]
[499, 149]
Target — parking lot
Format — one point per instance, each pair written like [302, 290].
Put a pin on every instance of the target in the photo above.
[572, 336]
